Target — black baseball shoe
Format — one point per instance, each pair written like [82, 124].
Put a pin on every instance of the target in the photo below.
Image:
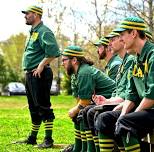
[30, 140]
[47, 143]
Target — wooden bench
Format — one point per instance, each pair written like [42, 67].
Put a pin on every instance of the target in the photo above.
[150, 136]
[150, 139]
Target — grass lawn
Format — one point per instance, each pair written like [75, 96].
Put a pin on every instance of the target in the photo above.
[15, 123]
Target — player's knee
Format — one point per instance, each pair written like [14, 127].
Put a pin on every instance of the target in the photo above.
[102, 121]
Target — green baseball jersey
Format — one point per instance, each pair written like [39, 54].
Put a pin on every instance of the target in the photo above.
[121, 79]
[40, 44]
[112, 66]
[141, 76]
[89, 80]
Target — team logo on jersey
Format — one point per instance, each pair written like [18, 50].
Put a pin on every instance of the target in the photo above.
[34, 36]
[139, 71]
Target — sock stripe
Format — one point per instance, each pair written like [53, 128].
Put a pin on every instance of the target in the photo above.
[106, 145]
[78, 131]
[122, 149]
[46, 123]
[133, 147]
[90, 139]
[51, 126]
[35, 125]
[89, 136]
[36, 130]
[106, 150]
[77, 134]
[78, 137]
[137, 150]
[48, 128]
[82, 132]
[106, 140]
[88, 132]
[83, 136]
[96, 140]
[83, 139]
[95, 137]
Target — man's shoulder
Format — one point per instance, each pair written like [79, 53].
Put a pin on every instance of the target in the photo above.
[130, 58]
[84, 68]
[44, 28]
[87, 69]
[116, 61]
[149, 47]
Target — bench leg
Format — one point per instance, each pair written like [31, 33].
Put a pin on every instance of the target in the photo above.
[151, 147]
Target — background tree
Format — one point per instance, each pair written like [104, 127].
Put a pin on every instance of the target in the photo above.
[12, 53]
[142, 8]
[2, 71]
[78, 23]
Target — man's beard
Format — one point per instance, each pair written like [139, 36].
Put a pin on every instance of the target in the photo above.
[27, 23]
[70, 70]
[102, 56]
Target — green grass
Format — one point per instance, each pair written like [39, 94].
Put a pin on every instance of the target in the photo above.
[15, 123]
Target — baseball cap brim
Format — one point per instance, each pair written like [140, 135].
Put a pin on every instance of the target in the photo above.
[24, 12]
[119, 30]
[97, 43]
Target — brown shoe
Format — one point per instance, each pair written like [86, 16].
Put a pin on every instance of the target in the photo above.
[69, 148]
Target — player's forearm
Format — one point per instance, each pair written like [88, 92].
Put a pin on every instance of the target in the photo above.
[145, 104]
[75, 110]
[116, 100]
[127, 107]
[46, 61]
[83, 102]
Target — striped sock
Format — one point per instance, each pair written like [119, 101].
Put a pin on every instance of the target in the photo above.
[122, 149]
[84, 141]
[35, 129]
[96, 141]
[120, 144]
[78, 143]
[131, 143]
[106, 143]
[48, 124]
[90, 141]
[83, 136]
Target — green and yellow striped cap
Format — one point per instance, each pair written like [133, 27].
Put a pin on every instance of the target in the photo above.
[135, 23]
[102, 41]
[148, 34]
[73, 51]
[34, 9]
[112, 34]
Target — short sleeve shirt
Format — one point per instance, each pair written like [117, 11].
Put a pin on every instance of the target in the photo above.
[112, 66]
[89, 80]
[141, 80]
[121, 79]
[40, 44]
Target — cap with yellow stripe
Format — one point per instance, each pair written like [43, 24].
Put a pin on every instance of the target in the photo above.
[102, 41]
[73, 51]
[148, 34]
[134, 23]
[112, 34]
[34, 9]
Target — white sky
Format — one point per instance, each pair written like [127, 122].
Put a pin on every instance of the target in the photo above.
[12, 20]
